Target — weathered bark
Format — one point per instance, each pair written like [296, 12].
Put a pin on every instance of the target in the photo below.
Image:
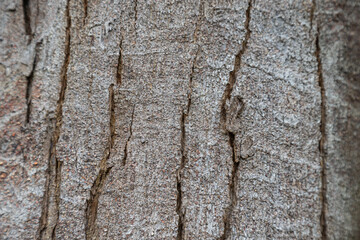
[180, 119]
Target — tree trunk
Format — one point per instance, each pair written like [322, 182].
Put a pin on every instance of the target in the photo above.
[144, 119]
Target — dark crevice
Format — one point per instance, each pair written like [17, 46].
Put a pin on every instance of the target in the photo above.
[231, 135]
[232, 189]
[191, 82]
[232, 76]
[50, 210]
[182, 150]
[119, 67]
[178, 179]
[98, 185]
[199, 21]
[128, 140]
[29, 83]
[136, 14]
[323, 137]
[312, 11]
[85, 5]
[27, 19]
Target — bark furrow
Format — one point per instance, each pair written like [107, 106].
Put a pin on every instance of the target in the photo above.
[29, 83]
[183, 154]
[128, 140]
[50, 211]
[85, 5]
[231, 135]
[27, 18]
[98, 185]
[323, 137]
[119, 67]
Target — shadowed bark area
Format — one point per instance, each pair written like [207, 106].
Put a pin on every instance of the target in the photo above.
[180, 119]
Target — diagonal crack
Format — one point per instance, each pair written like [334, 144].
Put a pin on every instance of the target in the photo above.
[50, 209]
[226, 97]
[323, 137]
[98, 185]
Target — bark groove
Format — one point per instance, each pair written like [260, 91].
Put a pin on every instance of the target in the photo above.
[323, 137]
[98, 185]
[231, 135]
[119, 66]
[128, 140]
[29, 83]
[50, 214]
[27, 19]
[85, 5]
[183, 154]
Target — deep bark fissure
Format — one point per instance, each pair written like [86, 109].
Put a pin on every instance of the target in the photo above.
[232, 76]
[323, 137]
[136, 14]
[29, 83]
[199, 20]
[182, 150]
[119, 67]
[99, 183]
[27, 19]
[232, 189]
[52, 188]
[128, 140]
[85, 5]
[231, 135]
[178, 179]
[312, 11]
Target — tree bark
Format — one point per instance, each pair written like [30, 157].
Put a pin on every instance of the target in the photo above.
[144, 119]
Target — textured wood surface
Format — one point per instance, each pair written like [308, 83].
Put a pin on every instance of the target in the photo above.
[144, 119]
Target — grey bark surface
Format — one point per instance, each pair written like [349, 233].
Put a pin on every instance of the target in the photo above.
[145, 119]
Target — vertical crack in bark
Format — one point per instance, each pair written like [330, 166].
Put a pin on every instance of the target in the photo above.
[323, 137]
[119, 67]
[178, 180]
[98, 185]
[237, 64]
[183, 155]
[226, 97]
[199, 20]
[27, 19]
[128, 140]
[50, 209]
[29, 83]
[136, 14]
[312, 11]
[85, 5]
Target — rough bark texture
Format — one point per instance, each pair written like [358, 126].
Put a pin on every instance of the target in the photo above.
[144, 119]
